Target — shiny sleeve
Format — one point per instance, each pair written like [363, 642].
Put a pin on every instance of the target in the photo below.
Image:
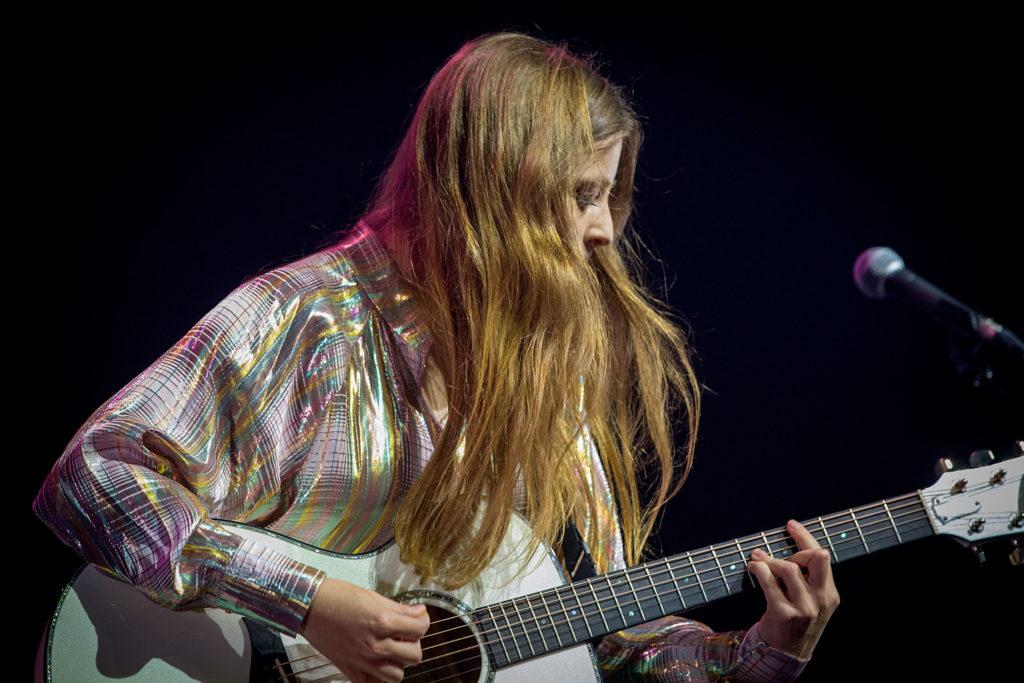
[674, 648]
[206, 429]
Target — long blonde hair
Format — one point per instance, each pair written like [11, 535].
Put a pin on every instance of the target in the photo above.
[476, 208]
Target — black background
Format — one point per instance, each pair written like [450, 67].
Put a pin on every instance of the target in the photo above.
[170, 158]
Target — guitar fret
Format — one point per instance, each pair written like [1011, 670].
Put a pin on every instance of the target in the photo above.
[696, 575]
[742, 559]
[675, 582]
[828, 538]
[615, 597]
[600, 609]
[529, 641]
[728, 591]
[636, 598]
[583, 612]
[892, 521]
[551, 621]
[515, 639]
[568, 617]
[719, 562]
[654, 589]
[497, 630]
[856, 524]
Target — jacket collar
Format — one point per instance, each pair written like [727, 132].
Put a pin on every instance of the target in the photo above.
[378, 275]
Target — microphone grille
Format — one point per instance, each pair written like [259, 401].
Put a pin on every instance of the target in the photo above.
[871, 269]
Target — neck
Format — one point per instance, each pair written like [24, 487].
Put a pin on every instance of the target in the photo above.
[584, 610]
[435, 397]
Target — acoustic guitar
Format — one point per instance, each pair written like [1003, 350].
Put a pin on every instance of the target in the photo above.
[505, 626]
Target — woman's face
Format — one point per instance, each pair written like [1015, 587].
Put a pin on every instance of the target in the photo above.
[592, 188]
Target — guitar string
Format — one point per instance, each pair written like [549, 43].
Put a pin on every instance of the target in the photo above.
[601, 609]
[709, 554]
[860, 539]
[474, 649]
[659, 572]
[537, 629]
[614, 595]
[781, 532]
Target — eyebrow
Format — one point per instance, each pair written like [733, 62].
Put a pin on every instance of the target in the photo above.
[599, 182]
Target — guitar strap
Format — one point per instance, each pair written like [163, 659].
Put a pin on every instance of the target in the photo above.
[575, 552]
[577, 558]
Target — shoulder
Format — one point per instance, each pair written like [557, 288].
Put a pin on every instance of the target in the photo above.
[299, 304]
[294, 291]
[327, 272]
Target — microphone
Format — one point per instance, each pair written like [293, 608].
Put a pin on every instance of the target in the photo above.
[881, 274]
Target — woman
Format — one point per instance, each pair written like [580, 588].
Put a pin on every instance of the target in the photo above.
[477, 344]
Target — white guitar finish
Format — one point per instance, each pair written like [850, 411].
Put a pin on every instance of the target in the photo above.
[109, 629]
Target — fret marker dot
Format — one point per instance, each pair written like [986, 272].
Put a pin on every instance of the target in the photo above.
[630, 612]
[686, 580]
[732, 566]
[842, 535]
[574, 612]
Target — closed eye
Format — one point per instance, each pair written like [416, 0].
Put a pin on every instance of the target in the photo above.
[588, 192]
[586, 200]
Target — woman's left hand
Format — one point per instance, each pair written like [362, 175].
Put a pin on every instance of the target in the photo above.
[799, 608]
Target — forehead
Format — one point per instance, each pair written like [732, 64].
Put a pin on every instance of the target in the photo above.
[603, 165]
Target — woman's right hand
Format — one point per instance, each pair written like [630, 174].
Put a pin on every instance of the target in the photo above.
[368, 636]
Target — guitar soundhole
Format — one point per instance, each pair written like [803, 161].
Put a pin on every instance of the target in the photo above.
[450, 651]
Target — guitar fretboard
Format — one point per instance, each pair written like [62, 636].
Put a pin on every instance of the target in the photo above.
[536, 624]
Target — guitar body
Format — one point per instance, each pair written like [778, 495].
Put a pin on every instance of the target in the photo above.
[105, 629]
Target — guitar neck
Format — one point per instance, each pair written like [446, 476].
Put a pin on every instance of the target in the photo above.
[535, 624]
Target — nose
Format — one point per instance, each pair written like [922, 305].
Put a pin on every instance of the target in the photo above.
[600, 230]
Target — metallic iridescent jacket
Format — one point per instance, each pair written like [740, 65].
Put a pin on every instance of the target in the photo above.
[283, 408]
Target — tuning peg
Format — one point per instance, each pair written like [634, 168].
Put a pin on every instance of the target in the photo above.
[944, 465]
[982, 458]
[1018, 446]
[1017, 554]
[979, 553]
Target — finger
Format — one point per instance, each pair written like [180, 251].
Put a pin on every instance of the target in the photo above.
[359, 676]
[817, 562]
[790, 574]
[406, 627]
[388, 671]
[805, 558]
[819, 570]
[403, 652]
[353, 675]
[772, 591]
[803, 537]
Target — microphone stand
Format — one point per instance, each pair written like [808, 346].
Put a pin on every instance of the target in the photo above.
[987, 367]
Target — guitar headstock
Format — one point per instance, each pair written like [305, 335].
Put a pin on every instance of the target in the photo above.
[980, 503]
